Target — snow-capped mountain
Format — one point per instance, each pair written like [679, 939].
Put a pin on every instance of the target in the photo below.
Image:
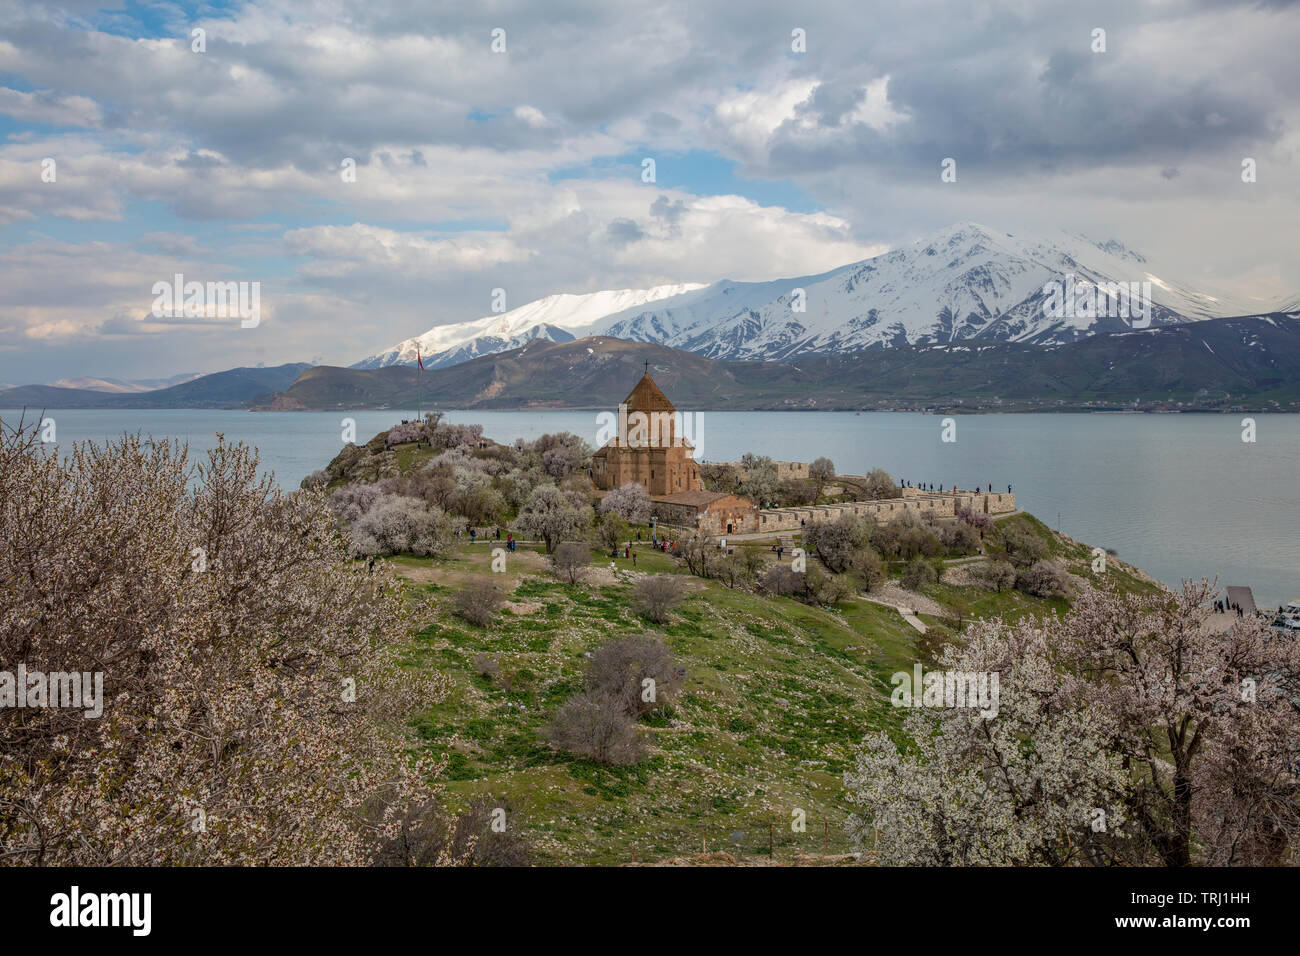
[1286, 303]
[964, 282]
[559, 318]
[122, 386]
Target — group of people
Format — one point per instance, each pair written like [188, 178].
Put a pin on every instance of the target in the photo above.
[627, 553]
[1228, 607]
[656, 542]
[473, 536]
[903, 483]
[660, 544]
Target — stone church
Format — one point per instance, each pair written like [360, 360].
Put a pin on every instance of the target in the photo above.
[649, 452]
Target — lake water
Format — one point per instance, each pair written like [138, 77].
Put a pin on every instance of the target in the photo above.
[1177, 495]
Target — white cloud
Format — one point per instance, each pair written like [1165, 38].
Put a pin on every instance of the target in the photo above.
[749, 119]
[50, 108]
[476, 169]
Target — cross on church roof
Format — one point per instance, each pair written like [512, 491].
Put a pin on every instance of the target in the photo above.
[647, 367]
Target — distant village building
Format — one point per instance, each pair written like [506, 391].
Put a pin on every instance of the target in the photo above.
[649, 451]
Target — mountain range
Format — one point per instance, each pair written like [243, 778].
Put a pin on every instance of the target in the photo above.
[233, 388]
[958, 319]
[967, 282]
[1211, 365]
[122, 386]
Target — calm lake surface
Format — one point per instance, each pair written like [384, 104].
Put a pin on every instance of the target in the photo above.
[1178, 495]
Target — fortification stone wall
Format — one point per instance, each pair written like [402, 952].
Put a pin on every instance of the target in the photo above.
[885, 510]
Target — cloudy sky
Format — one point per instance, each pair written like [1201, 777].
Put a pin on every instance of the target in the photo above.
[478, 169]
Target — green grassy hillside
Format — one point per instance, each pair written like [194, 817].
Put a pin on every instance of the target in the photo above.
[776, 697]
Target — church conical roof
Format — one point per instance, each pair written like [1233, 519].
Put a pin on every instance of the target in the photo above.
[648, 397]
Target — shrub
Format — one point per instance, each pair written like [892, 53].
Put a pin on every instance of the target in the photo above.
[760, 481]
[751, 560]
[796, 492]
[919, 542]
[918, 574]
[444, 435]
[581, 450]
[395, 525]
[779, 580]
[613, 529]
[930, 645]
[598, 727]
[559, 462]
[821, 471]
[478, 602]
[486, 665]
[350, 502]
[729, 569]
[620, 668]
[480, 505]
[428, 837]
[959, 538]
[655, 596]
[222, 673]
[740, 568]
[837, 542]
[905, 537]
[318, 479]
[719, 477]
[868, 567]
[1021, 545]
[880, 484]
[629, 500]
[699, 552]
[1045, 580]
[825, 589]
[553, 517]
[975, 519]
[406, 432]
[997, 575]
[570, 561]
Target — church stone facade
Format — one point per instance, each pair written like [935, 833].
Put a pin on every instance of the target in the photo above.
[649, 452]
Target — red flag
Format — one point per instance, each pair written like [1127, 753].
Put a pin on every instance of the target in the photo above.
[419, 361]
